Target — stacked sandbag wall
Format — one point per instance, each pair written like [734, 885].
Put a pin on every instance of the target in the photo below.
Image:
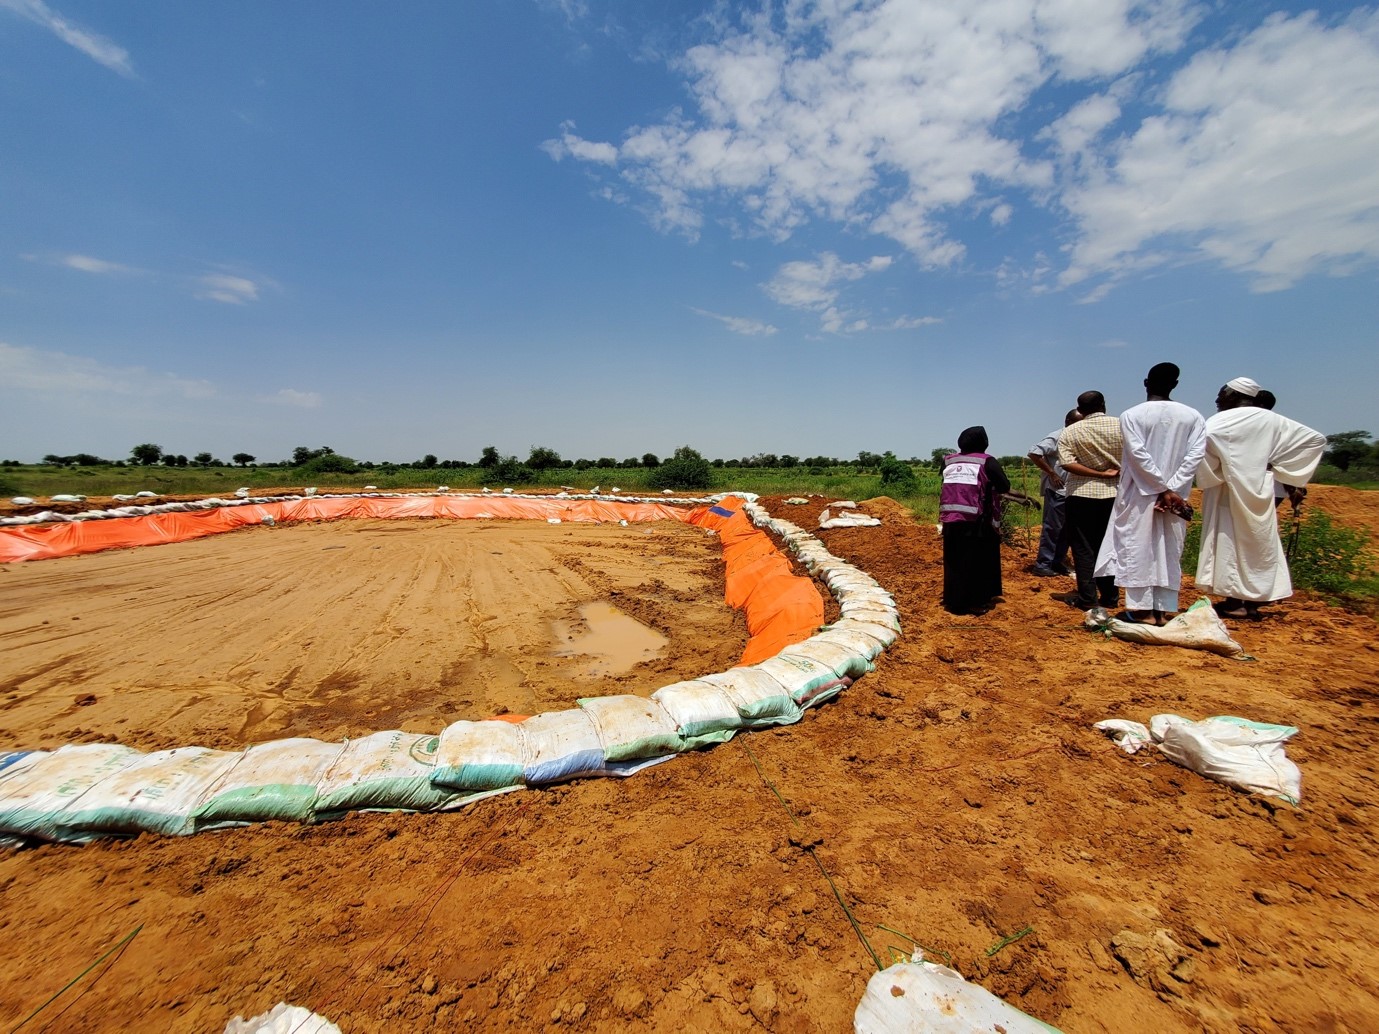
[81, 792]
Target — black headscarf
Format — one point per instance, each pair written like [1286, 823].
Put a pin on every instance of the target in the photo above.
[973, 440]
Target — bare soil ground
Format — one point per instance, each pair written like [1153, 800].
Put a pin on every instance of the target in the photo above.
[958, 794]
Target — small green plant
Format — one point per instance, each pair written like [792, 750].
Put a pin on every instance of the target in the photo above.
[1329, 558]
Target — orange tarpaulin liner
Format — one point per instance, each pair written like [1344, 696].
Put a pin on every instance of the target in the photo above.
[781, 607]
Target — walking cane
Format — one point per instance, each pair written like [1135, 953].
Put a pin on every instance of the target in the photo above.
[1294, 531]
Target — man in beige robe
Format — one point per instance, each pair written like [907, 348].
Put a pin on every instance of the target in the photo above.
[1242, 556]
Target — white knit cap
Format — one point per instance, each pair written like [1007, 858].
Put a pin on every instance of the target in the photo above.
[1244, 386]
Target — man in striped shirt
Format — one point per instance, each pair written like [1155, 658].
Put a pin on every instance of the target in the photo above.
[1089, 451]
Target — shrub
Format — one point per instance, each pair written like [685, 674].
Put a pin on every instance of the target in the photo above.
[329, 463]
[1328, 558]
[895, 473]
[687, 469]
[511, 471]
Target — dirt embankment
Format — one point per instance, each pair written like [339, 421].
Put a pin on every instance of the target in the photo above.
[958, 794]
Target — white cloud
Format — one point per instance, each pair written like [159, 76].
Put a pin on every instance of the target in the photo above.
[884, 116]
[222, 287]
[34, 370]
[1263, 161]
[228, 288]
[741, 324]
[87, 264]
[571, 146]
[907, 118]
[911, 322]
[294, 398]
[816, 285]
[98, 48]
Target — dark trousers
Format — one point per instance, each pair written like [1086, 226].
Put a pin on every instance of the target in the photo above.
[1086, 521]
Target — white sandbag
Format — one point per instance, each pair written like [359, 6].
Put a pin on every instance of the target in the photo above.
[862, 640]
[157, 793]
[847, 519]
[883, 633]
[866, 611]
[1235, 751]
[274, 780]
[283, 1019]
[558, 746]
[865, 598]
[922, 998]
[632, 727]
[34, 791]
[842, 658]
[1240, 753]
[759, 698]
[388, 771]
[1127, 735]
[808, 681]
[479, 756]
[15, 761]
[702, 712]
[1197, 628]
[22, 500]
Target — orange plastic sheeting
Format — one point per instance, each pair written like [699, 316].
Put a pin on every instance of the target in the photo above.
[45, 541]
[782, 608]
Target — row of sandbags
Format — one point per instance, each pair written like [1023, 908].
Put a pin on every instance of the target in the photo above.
[80, 792]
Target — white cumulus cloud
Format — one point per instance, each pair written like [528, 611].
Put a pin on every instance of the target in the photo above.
[884, 115]
[1263, 160]
[1153, 143]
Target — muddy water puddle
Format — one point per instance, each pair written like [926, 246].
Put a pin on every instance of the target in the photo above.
[605, 641]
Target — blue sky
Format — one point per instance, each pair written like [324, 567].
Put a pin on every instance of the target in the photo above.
[610, 228]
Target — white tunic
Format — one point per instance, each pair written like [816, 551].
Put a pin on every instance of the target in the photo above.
[1164, 443]
[1241, 553]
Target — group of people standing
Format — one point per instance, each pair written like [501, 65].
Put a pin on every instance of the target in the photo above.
[1115, 493]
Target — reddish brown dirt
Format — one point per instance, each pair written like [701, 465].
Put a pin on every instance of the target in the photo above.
[957, 794]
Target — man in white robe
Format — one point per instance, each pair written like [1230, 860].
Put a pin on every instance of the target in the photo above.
[1242, 556]
[1143, 547]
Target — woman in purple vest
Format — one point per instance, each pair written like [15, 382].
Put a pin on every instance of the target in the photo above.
[974, 487]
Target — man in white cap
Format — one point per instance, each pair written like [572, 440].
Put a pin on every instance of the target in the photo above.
[1242, 557]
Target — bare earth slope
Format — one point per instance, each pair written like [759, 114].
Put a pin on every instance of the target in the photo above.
[958, 795]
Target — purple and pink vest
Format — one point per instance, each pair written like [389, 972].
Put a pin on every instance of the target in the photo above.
[966, 492]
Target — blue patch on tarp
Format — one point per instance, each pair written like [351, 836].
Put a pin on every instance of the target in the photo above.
[721, 512]
[6, 760]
